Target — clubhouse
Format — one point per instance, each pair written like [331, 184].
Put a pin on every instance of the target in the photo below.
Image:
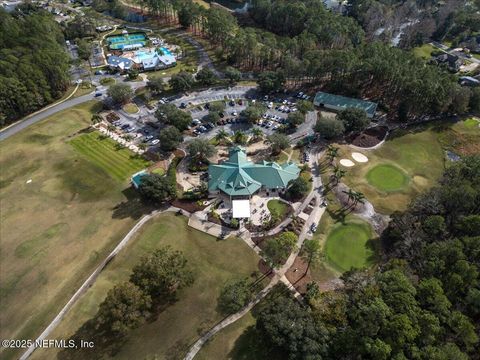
[239, 179]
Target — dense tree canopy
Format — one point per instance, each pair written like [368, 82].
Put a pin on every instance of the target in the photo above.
[170, 137]
[120, 93]
[156, 188]
[33, 63]
[234, 295]
[171, 115]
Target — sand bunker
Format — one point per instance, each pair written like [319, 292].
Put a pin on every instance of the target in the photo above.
[347, 162]
[358, 157]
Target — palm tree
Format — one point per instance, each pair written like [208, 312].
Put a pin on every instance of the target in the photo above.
[96, 118]
[221, 135]
[338, 174]
[355, 196]
[332, 153]
[311, 252]
[110, 128]
[257, 133]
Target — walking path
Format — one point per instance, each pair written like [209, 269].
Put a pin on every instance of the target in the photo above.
[91, 279]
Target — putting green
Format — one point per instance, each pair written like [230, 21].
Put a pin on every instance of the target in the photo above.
[387, 178]
[348, 246]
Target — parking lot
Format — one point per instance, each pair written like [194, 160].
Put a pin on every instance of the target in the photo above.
[144, 128]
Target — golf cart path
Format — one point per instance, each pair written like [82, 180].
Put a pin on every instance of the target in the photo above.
[91, 279]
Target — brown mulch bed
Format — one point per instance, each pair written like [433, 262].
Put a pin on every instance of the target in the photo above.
[187, 205]
[369, 137]
[299, 278]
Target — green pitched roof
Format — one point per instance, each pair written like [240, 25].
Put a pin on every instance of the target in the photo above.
[343, 102]
[238, 176]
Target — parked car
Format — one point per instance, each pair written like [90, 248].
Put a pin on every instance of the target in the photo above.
[183, 105]
[313, 228]
[155, 142]
[97, 94]
[234, 113]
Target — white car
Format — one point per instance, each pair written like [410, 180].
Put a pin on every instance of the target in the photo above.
[234, 113]
[155, 142]
[270, 105]
[260, 122]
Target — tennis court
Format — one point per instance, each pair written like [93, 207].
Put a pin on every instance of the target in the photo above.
[126, 41]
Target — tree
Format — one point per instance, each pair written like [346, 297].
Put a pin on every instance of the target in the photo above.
[332, 153]
[132, 74]
[206, 77]
[125, 307]
[156, 188]
[354, 119]
[120, 93]
[313, 291]
[156, 85]
[252, 113]
[234, 295]
[270, 81]
[84, 49]
[96, 118]
[278, 142]
[304, 106]
[297, 188]
[212, 117]
[183, 81]
[240, 137]
[221, 135]
[289, 327]
[278, 249]
[338, 173]
[296, 118]
[170, 114]
[233, 75]
[170, 138]
[355, 197]
[311, 252]
[329, 128]
[257, 133]
[217, 106]
[162, 273]
[200, 149]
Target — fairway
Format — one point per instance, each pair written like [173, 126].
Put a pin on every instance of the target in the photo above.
[102, 151]
[348, 246]
[387, 178]
[169, 336]
[57, 227]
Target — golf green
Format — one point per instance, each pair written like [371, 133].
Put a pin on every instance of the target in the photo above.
[348, 246]
[387, 178]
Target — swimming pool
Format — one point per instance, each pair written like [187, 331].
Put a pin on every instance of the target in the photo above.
[144, 55]
[165, 51]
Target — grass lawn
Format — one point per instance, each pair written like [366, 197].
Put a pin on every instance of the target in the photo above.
[423, 51]
[179, 325]
[386, 177]
[279, 207]
[107, 81]
[102, 151]
[225, 344]
[418, 155]
[130, 108]
[56, 229]
[462, 138]
[349, 245]
[159, 171]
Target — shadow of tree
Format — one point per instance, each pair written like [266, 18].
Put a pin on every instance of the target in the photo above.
[133, 207]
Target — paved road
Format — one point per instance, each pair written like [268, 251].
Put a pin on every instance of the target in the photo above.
[451, 52]
[39, 116]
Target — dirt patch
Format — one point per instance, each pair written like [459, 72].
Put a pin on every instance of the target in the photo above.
[298, 275]
[369, 137]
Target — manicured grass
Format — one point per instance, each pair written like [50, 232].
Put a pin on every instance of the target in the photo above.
[130, 108]
[107, 81]
[349, 245]
[278, 207]
[159, 171]
[418, 155]
[55, 230]
[118, 162]
[387, 177]
[226, 344]
[423, 51]
[471, 123]
[179, 325]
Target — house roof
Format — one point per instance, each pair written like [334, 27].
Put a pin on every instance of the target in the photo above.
[338, 101]
[120, 62]
[237, 176]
